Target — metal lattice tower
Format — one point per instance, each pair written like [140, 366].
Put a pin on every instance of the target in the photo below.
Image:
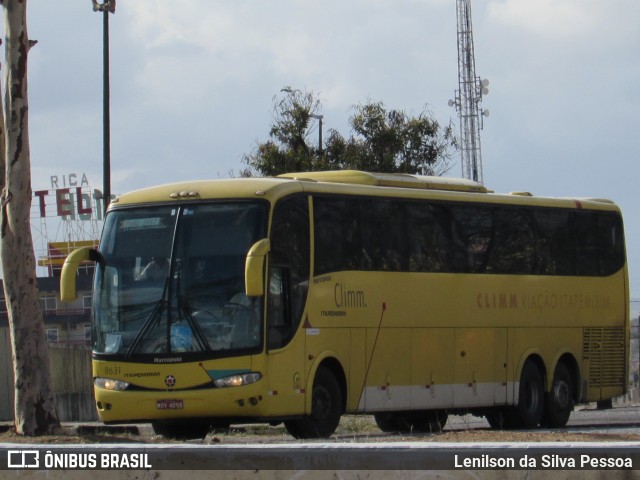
[469, 96]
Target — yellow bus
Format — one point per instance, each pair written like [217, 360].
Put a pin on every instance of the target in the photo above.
[301, 298]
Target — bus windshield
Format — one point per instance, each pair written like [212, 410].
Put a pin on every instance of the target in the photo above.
[171, 280]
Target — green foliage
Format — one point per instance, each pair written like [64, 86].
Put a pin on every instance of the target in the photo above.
[382, 140]
[289, 148]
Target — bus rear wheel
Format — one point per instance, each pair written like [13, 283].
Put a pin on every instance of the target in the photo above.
[559, 401]
[326, 409]
[528, 412]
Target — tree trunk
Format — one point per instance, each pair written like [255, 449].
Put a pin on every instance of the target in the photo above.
[35, 411]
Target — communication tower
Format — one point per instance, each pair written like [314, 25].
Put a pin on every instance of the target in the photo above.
[468, 97]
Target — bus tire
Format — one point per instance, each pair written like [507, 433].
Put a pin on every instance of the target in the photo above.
[395, 422]
[386, 422]
[184, 430]
[326, 409]
[530, 406]
[559, 401]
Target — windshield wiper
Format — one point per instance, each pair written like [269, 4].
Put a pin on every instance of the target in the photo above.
[201, 338]
[183, 309]
[148, 323]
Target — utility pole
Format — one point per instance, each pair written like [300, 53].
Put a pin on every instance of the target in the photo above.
[468, 97]
[105, 8]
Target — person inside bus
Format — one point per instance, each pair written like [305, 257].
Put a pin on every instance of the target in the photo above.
[156, 269]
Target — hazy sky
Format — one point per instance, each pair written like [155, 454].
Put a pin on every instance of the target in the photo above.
[193, 83]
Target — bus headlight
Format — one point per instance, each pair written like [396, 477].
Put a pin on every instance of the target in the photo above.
[109, 384]
[238, 380]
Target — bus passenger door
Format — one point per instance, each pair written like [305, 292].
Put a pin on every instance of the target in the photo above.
[286, 349]
[289, 268]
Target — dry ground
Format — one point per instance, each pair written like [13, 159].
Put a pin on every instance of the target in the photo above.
[352, 429]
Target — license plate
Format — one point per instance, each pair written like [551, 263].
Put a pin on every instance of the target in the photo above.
[170, 404]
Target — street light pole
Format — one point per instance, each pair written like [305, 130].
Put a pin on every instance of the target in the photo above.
[105, 8]
[319, 118]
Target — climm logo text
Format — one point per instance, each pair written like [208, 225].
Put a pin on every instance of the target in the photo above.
[347, 298]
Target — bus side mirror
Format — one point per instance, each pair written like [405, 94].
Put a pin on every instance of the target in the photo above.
[254, 268]
[70, 268]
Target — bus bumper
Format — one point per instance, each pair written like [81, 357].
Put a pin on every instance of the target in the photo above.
[232, 402]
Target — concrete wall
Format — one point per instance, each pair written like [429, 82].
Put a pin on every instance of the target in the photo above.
[70, 375]
[72, 383]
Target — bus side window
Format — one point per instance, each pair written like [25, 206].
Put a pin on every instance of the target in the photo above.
[585, 228]
[472, 237]
[610, 243]
[515, 249]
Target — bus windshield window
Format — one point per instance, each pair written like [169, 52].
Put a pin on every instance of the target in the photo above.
[172, 280]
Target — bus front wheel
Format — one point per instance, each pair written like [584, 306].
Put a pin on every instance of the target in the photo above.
[326, 409]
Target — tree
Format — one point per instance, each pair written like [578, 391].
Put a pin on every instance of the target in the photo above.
[382, 140]
[35, 411]
[288, 149]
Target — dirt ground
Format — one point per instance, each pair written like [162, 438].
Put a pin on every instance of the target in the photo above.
[447, 437]
[351, 430]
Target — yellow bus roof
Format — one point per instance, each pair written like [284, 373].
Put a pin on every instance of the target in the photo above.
[346, 182]
[204, 189]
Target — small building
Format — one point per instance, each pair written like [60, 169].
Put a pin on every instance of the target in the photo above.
[65, 323]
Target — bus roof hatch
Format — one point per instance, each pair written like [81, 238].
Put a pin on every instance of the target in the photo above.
[401, 180]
